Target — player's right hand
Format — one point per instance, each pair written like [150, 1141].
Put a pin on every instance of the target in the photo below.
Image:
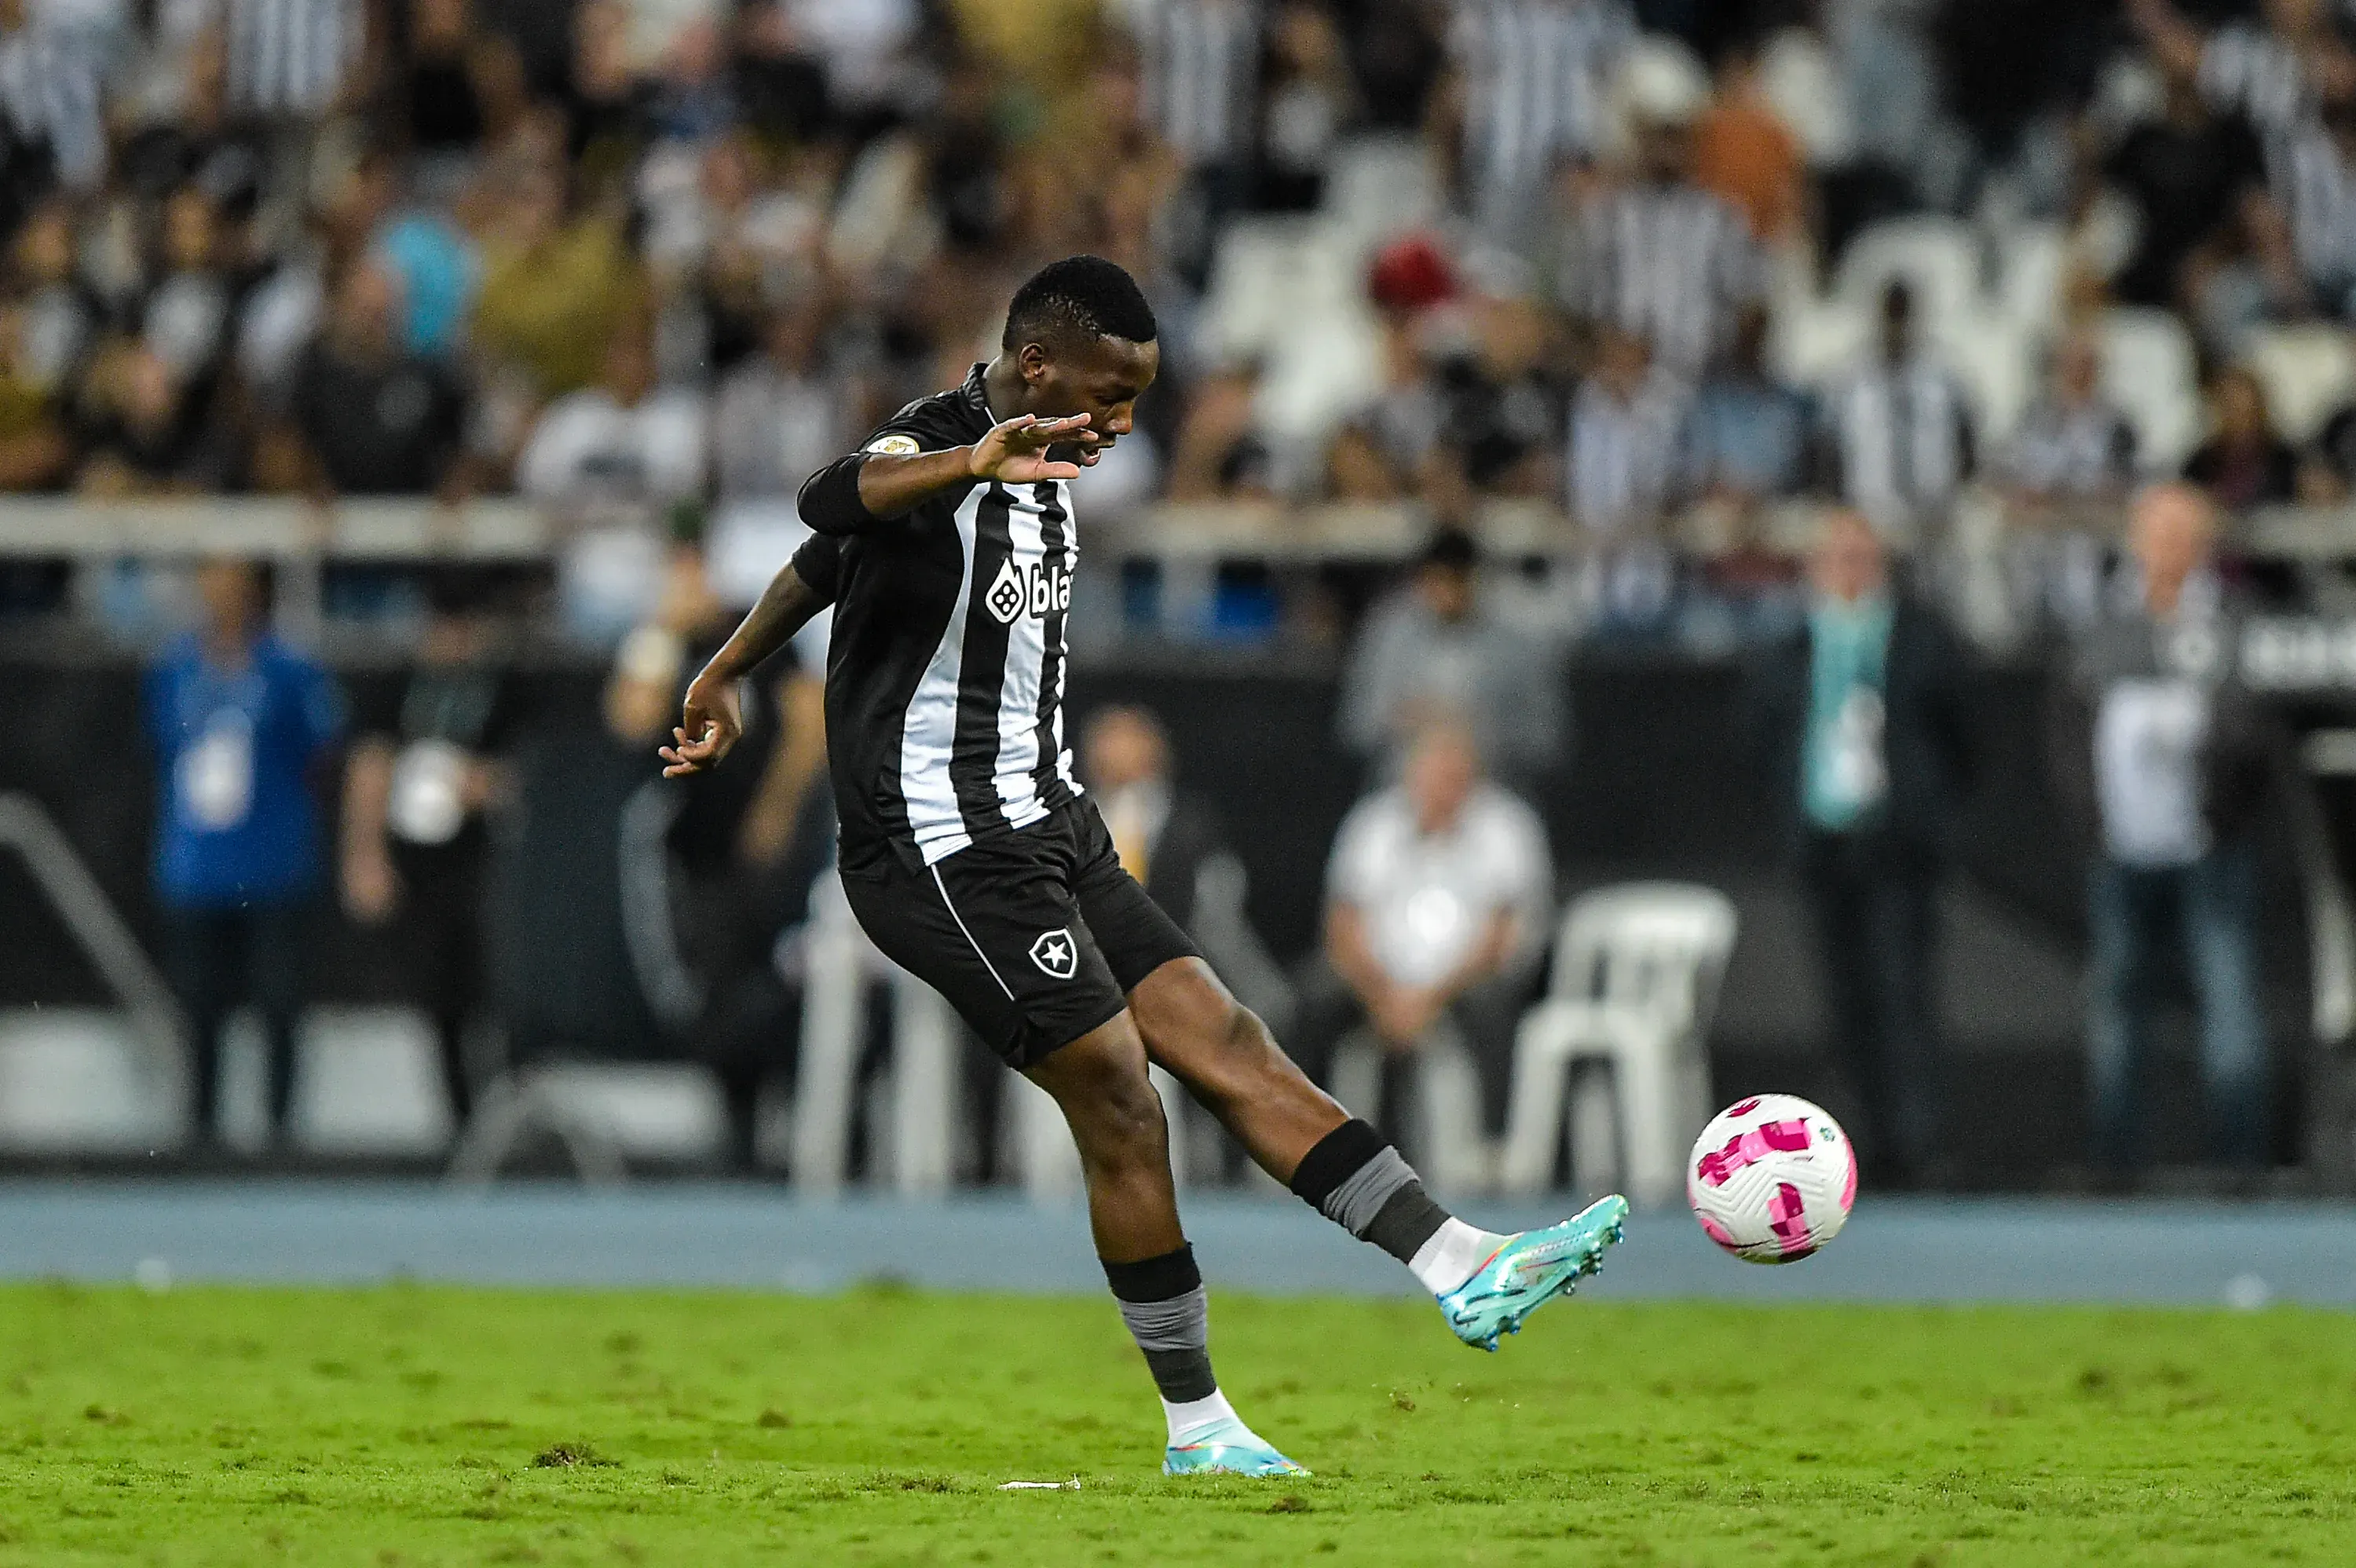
[709, 723]
[1016, 450]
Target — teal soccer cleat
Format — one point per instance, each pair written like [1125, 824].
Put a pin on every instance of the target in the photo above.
[1530, 1269]
[1227, 1450]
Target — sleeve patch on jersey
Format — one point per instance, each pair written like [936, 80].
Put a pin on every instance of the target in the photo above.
[895, 445]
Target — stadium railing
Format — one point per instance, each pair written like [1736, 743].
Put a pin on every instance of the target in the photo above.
[501, 529]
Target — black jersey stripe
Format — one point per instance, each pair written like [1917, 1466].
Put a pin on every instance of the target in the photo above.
[1055, 559]
[981, 674]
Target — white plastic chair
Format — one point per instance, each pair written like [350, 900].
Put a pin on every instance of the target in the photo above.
[1993, 358]
[1939, 257]
[2034, 258]
[2148, 371]
[1818, 343]
[1636, 969]
[1381, 185]
[2308, 373]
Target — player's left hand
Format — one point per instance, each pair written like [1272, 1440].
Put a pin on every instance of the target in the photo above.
[710, 725]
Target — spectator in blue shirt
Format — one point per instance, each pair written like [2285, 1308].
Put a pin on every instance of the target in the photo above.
[1747, 434]
[239, 721]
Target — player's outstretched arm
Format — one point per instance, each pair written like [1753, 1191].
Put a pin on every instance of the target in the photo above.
[866, 488]
[711, 719]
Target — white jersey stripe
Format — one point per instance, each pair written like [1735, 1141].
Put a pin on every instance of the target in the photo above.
[929, 734]
[1018, 690]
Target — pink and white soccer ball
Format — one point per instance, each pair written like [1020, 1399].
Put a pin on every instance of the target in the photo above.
[1771, 1178]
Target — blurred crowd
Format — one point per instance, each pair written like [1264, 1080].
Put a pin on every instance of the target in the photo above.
[542, 895]
[649, 262]
[1660, 265]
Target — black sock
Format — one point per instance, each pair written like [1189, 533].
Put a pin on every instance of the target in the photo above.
[1357, 1180]
[1163, 1301]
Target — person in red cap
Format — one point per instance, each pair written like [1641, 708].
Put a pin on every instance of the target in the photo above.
[1388, 450]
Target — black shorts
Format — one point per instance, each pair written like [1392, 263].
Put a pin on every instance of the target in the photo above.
[1035, 937]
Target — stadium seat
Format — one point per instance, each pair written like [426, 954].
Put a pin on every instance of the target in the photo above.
[1814, 344]
[76, 1079]
[367, 1081]
[1288, 293]
[1636, 969]
[1380, 186]
[1258, 285]
[1995, 358]
[601, 1112]
[2033, 257]
[2149, 371]
[2308, 373]
[1939, 257]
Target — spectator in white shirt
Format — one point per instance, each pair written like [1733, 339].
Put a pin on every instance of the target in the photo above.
[1437, 898]
[778, 416]
[621, 446]
[2168, 759]
[610, 461]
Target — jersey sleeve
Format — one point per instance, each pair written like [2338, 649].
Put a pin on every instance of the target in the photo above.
[818, 564]
[830, 499]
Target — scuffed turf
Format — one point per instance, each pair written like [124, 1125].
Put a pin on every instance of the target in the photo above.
[416, 1426]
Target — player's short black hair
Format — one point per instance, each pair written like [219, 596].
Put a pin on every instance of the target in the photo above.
[1086, 294]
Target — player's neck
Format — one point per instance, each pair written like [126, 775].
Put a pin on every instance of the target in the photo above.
[1002, 388]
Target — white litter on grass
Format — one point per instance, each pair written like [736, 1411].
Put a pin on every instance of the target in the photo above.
[2247, 1293]
[1071, 1486]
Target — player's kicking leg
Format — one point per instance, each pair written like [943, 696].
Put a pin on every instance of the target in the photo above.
[1486, 1283]
[1101, 1083]
[994, 929]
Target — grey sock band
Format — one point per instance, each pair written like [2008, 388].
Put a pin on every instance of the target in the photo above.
[1180, 1323]
[1353, 1204]
[1175, 1336]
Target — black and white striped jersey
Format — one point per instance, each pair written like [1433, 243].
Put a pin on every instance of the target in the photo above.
[1671, 263]
[293, 57]
[948, 660]
[52, 91]
[1538, 85]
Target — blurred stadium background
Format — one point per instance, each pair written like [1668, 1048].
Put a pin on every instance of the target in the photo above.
[1521, 358]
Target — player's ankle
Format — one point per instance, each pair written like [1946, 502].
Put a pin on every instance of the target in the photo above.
[1453, 1254]
[1196, 1420]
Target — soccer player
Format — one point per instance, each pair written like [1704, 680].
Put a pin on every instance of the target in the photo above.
[946, 546]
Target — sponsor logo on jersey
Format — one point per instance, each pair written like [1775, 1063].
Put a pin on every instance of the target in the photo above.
[893, 445]
[1038, 591]
[1057, 956]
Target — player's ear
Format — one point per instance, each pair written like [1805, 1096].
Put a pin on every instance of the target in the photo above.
[1036, 363]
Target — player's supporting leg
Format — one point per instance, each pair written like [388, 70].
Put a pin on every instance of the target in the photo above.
[1101, 1083]
[1486, 1283]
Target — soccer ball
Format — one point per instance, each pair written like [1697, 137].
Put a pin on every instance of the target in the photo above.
[1771, 1178]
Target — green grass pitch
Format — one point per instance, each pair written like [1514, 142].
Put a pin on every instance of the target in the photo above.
[417, 1425]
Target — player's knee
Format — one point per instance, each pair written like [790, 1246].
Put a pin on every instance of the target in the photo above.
[1189, 1001]
[1107, 1092]
[1122, 1124]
